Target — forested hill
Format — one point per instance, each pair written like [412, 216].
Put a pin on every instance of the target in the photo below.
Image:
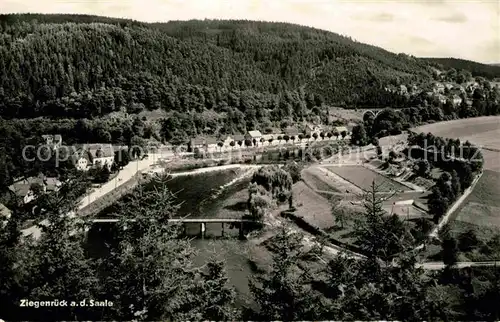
[90, 66]
[477, 69]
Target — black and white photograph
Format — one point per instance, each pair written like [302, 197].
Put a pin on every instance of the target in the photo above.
[249, 160]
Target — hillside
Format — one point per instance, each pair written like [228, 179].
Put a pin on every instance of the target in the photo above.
[202, 77]
[477, 69]
[45, 58]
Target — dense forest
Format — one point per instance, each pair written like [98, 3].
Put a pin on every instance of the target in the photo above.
[489, 71]
[67, 66]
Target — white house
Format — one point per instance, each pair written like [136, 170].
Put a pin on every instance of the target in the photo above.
[254, 135]
[93, 155]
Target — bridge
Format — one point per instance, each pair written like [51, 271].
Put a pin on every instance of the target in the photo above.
[202, 221]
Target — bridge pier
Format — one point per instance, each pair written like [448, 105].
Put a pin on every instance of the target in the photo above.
[203, 230]
[222, 234]
[240, 232]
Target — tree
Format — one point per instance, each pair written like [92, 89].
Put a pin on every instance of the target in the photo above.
[340, 215]
[280, 138]
[262, 140]
[286, 138]
[102, 174]
[259, 203]
[270, 141]
[336, 134]
[254, 141]
[36, 188]
[449, 250]
[358, 136]
[274, 180]
[232, 144]
[315, 136]
[379, 235]
[422, 168]
[248, 143]
[392, 155]
[58, 260]
[322, 135]
[283, 293]
[301, 136]
[329, 135]
[294, 169]
[137, 147]
[468, 240]
[455, 183]
[122, 158]
[144, 248]
[220, 145]
[344, 134]
[240, 143]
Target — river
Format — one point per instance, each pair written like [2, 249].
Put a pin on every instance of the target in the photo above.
[210, 195]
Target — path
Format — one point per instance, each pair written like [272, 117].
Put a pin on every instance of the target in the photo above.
[454, 207]
[441, 265]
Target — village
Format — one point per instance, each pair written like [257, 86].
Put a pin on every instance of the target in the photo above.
[85, 157]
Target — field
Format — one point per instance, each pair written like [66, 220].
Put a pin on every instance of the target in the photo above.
[482, 207]
[316, 181]
[483, 131]
[363, 178]
[479, 213]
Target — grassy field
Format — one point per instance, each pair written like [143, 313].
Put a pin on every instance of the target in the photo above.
[363, 178]
[479, 213]
[483, 131]
[311, 206]
[317, 182]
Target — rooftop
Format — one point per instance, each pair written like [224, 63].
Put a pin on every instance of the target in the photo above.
[255, 134]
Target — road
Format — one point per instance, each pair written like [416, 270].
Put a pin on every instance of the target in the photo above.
[123, 176]
[441, 265]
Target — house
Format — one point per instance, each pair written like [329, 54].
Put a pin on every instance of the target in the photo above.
[55, 141]
[253, 135]
[226, 143]
[340, 130]
[211, 143]
[93, 155]
[101, 154]
[239, 138]
[438, 88]
[442, 98]
[81, 160]
[27, 188]
[311, 129]
[456, 100]
[203, 143]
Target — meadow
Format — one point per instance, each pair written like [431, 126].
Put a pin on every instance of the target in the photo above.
[483, 131]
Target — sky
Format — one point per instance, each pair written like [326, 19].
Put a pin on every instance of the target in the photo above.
[468, 29]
